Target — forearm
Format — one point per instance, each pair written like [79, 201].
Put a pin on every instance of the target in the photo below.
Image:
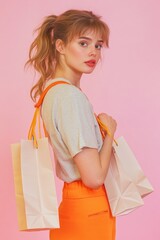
[93, 165]
[105, 155]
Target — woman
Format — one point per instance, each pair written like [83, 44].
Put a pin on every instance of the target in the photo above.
[67, 46]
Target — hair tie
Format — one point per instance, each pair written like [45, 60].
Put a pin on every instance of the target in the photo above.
[52, 36]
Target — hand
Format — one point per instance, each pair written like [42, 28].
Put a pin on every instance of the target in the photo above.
[109, 122]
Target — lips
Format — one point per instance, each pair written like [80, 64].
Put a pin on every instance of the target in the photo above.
[91, 63]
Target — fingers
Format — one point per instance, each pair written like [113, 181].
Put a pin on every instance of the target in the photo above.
[109, 121]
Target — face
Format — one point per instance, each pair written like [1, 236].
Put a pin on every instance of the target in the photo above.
[83, 53]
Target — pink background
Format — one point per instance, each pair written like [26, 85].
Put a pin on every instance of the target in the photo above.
[126, 85]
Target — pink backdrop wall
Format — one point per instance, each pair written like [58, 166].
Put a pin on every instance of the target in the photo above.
[126, 85]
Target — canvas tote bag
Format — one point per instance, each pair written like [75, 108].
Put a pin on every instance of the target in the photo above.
[35, 191]
[126, 183]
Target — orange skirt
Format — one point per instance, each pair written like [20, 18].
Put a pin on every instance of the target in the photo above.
[84, 214]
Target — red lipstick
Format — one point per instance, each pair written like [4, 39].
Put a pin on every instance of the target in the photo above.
[91, 63]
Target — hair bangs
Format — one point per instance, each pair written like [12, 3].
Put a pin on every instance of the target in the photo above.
[99, 28]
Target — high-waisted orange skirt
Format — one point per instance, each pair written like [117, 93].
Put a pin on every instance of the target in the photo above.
[84, 214]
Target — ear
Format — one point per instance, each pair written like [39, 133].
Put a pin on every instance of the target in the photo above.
[60, 47]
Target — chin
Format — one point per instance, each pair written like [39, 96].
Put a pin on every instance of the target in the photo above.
[85, 71]
[89, 71]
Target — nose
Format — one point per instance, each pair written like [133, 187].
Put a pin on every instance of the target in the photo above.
[92, 51]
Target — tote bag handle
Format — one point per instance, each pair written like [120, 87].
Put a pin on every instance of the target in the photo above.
[103, 127]
[36, 116]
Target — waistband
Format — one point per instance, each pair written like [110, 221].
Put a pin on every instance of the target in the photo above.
[77, 189]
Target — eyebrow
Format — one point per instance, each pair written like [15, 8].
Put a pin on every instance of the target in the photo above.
[87, 38]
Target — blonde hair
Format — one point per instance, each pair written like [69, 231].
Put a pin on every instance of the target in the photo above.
[43, 55]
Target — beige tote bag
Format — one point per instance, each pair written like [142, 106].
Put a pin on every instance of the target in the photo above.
[126, 183]
[35, 190]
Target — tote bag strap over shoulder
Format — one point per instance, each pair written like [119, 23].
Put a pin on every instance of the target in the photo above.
[38, 104]
[36, 116]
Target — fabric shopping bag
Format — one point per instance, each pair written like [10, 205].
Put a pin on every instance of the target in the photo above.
[123, 154]
[35, 190]
[126, 183]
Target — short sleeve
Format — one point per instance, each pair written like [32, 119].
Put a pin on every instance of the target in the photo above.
[75, 121]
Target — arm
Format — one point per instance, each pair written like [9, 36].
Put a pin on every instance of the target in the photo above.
[93, 165]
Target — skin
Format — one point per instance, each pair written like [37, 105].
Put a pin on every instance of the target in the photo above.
[72, 58]
[75, 54]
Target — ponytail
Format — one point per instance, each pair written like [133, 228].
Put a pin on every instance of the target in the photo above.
[42, 54]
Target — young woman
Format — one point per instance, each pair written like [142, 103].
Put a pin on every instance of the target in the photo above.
[67, 46]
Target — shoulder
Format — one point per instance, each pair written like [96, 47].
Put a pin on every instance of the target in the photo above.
[64, 92]
[67, 89]
[66, 95]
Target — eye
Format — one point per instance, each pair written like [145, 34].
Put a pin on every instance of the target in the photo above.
[98, 46]
[83, 44]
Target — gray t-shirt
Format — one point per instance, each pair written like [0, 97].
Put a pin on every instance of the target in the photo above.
[71, 124]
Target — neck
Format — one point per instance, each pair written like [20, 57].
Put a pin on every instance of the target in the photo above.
[73, 77]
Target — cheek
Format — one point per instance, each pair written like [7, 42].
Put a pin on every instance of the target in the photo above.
[76, 52]
[99, 54]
